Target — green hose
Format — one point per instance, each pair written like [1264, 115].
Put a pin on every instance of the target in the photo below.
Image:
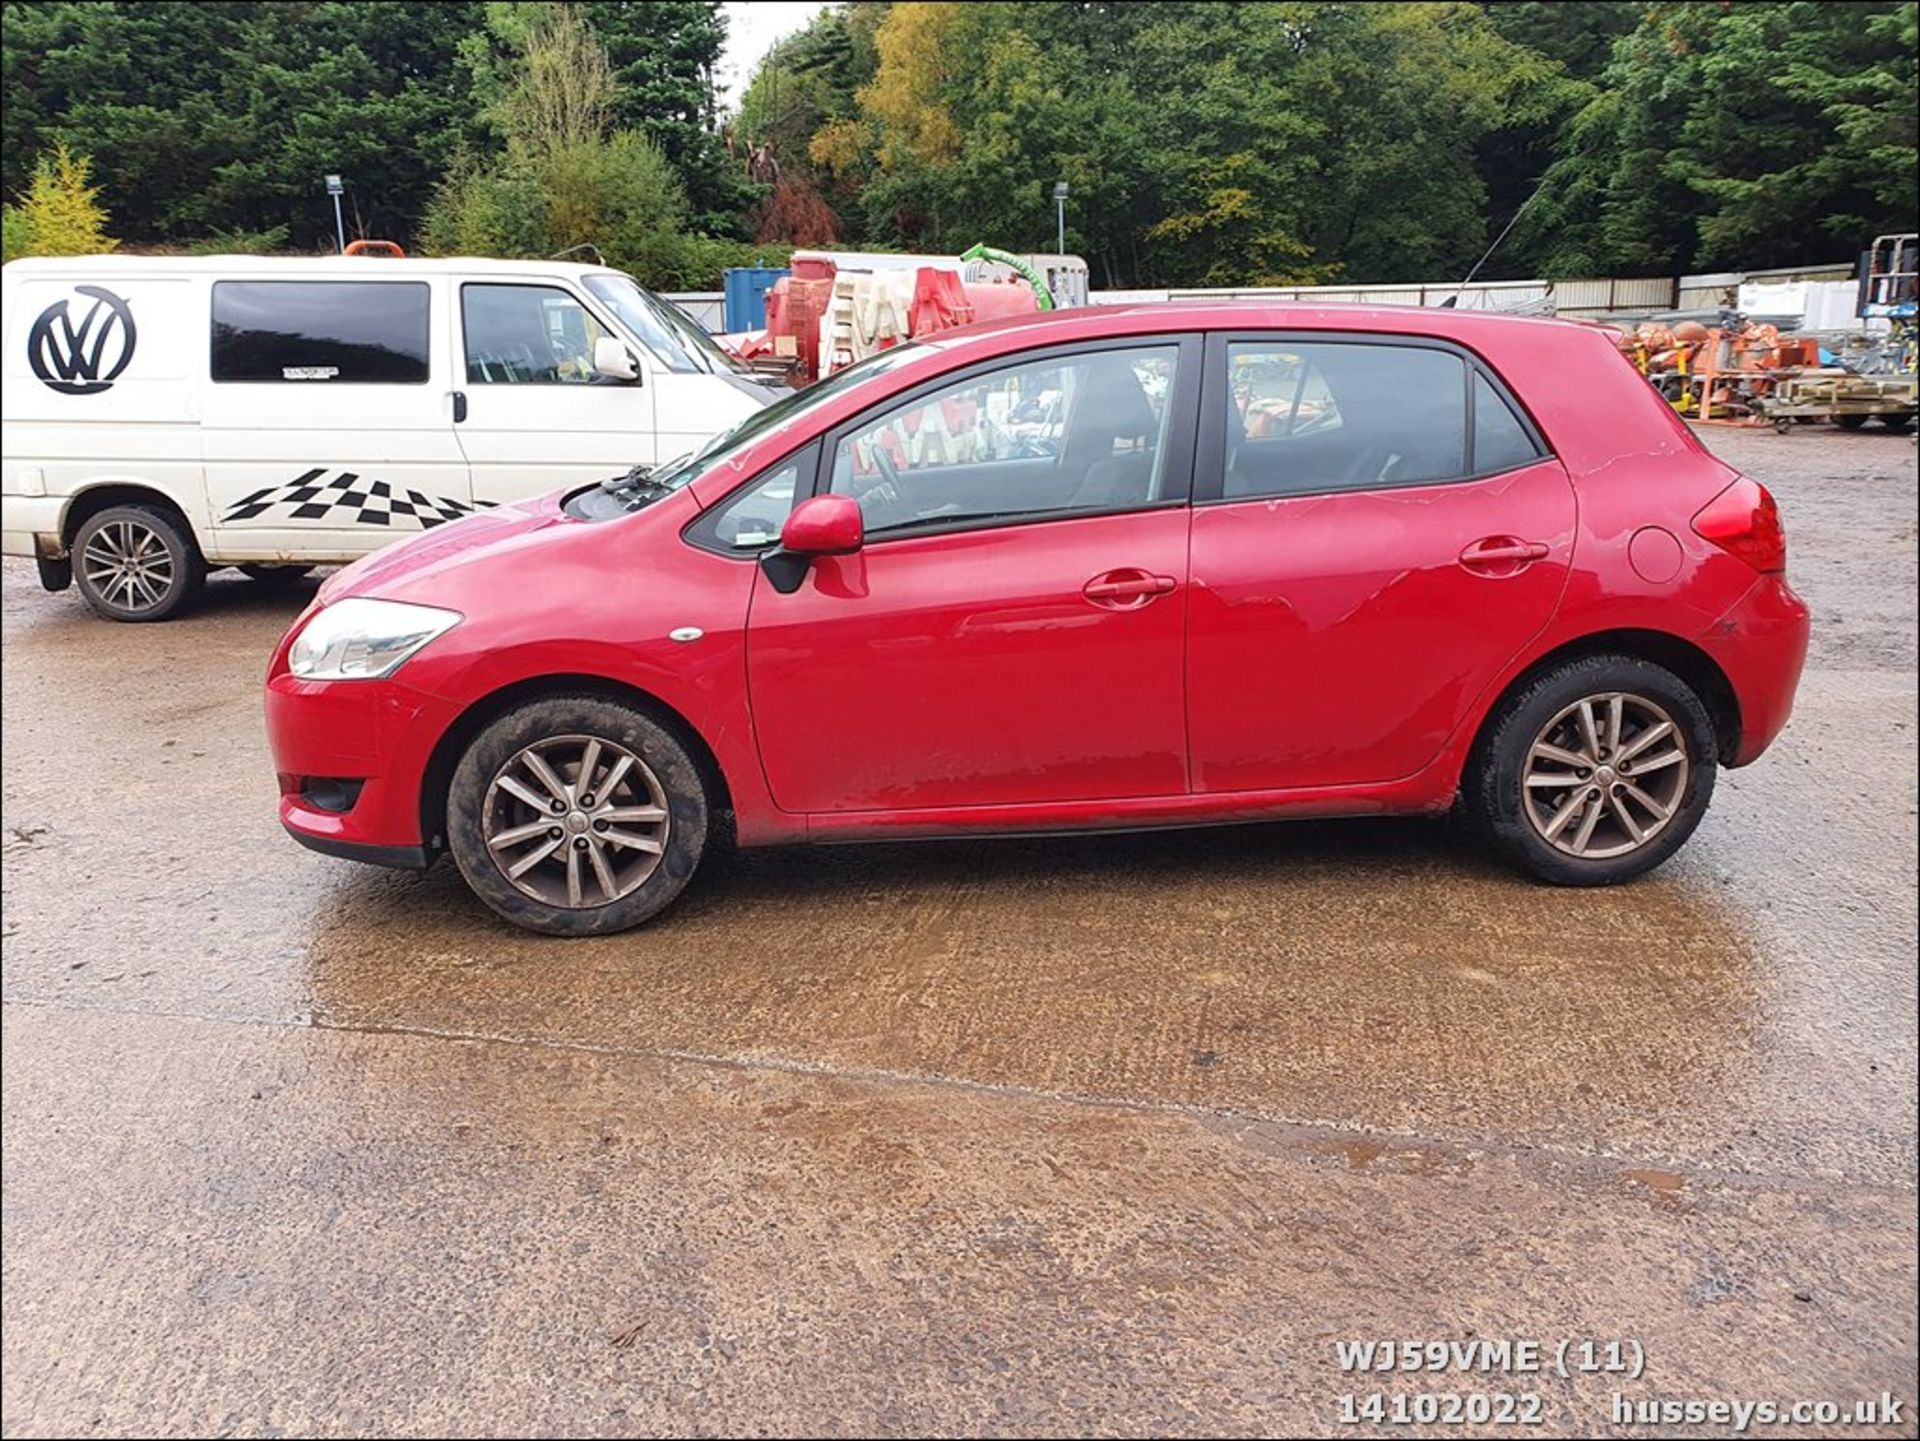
[1020, 267]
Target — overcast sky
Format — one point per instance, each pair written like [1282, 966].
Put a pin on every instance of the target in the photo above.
[753, 27]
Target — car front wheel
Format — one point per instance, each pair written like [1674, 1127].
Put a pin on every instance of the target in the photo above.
[577, 815]
[1595, 772]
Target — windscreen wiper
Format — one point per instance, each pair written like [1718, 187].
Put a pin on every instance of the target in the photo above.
[638, 477]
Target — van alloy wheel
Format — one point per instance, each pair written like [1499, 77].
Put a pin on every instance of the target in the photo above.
[576, 821]
[1605, 776]
[127, 563]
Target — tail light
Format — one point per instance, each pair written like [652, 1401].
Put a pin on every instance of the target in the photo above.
[1743, 520]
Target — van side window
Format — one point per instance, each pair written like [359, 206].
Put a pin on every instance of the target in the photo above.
[528, 335]
[340, 332]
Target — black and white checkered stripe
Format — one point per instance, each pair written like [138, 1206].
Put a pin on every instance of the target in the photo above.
[348, 497]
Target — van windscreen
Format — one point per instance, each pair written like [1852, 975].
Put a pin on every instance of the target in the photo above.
[341, 332]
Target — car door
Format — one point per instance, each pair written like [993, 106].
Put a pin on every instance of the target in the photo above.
[1012, 631]
[1377, 530]
[324, 424]
[533, 412]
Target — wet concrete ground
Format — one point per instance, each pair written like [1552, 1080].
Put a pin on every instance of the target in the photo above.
[1112, 1135]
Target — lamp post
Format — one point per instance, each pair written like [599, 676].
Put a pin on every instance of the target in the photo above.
[334, 187]
[1060, 209]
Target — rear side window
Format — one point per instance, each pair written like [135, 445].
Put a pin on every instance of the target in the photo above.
[1307, 416]
[337, 332]
[1500, 441]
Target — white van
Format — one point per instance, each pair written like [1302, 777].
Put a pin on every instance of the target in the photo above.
[162, 416]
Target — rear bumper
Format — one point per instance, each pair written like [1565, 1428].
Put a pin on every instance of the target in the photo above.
[1761, 644]
[378, 733]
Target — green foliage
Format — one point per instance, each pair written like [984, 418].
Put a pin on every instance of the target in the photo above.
[240, 242]
[206, 118]
[16, 233]
[1279, 140]
[565, 178]
[1739, 135]
[61, 213]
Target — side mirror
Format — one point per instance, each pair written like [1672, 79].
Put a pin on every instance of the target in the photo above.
[820, 525]
[824, 525]
[612, 359]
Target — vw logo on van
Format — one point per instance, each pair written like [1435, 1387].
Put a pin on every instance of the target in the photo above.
[83, 356]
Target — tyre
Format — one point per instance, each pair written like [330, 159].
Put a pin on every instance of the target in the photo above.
[577, 815]
[275, 575]
[1595, 771]
[137, 563]
[1850, 422]
[1897, 422]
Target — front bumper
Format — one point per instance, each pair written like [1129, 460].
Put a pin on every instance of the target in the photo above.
[380, 733]
[30, 525]
[1761, 644]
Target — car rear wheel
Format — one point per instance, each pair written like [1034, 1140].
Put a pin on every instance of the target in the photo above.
[137, 563]
[1595, 772]
[577, 815]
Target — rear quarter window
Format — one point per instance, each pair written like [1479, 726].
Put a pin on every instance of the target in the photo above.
[330, 332]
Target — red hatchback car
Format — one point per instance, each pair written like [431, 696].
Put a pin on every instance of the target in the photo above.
[1131, 567]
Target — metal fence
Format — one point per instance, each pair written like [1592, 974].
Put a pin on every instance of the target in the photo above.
[1597, 297]
[1593, 298]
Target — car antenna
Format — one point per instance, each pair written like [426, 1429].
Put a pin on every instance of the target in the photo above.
[571, 249]
[1453, 300]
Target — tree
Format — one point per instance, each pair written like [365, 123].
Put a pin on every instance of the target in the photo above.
[1761, 134]
[663, 54]
[226, 116]
[565, 178]
[61, 212]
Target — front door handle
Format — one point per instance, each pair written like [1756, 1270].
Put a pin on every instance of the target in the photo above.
[1127, 588]
[1502, 554]
[459, 406]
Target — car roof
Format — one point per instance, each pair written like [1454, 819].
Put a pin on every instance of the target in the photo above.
[1186, 315]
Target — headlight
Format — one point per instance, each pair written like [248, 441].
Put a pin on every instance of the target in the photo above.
[361, 639]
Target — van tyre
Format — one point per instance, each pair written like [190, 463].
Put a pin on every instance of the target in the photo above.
[1595, 771]
[137, 563]
[577, 815]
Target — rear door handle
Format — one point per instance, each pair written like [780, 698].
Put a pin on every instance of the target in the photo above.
[1126, 589]
[1503, 554]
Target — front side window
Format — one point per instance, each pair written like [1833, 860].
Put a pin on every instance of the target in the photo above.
[751, 518]
[340, 332]
[1072, 433]
[528, 335]
[1306, 416]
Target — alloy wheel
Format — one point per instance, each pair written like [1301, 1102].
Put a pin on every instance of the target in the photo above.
[1605, 776]
[576, 821]
[127, 564]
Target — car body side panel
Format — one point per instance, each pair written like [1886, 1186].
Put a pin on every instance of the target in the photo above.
[552, 597]
[1338, 639]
